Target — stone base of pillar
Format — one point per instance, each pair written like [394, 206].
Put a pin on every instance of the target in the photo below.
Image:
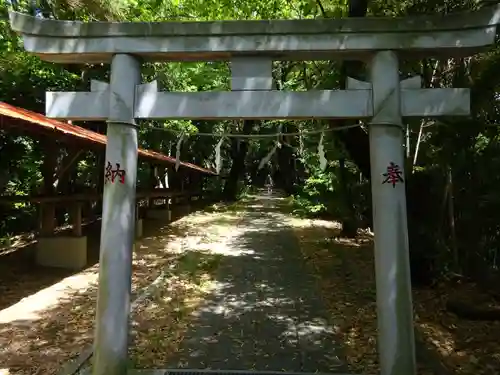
[63, 252]
[159, 214]
[139, 228]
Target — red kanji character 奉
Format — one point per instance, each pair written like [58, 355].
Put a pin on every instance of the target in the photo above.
[393, 175]
[111, 174]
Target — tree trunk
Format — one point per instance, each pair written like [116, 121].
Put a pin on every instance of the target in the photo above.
[286, 165]
[349, 224]
[355, 140]
[239, 149]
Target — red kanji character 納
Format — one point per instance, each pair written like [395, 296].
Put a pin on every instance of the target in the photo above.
[111, 174]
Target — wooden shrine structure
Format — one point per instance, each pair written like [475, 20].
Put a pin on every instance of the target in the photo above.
[82, 203]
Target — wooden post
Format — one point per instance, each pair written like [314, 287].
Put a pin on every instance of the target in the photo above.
[76, 219]
[138, 221]
[182, 178]
[174, 179]
[47, 219]
[153, 170]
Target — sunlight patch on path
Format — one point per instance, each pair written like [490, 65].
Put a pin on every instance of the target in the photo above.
[42, 331]
[31, 308]
[159, 325]
[260, 313]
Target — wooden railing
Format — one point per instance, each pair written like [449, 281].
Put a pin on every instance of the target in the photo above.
[75, 202]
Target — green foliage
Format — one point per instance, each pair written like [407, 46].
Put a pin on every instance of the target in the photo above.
[325, 195]
[310, 200]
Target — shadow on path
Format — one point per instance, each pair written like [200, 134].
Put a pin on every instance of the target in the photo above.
[265, 312]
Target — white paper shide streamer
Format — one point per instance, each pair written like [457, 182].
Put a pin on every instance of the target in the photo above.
[270, 154]
[321, 153]
[218, 160]
[268, 157]
[178, 152]
[301, 144]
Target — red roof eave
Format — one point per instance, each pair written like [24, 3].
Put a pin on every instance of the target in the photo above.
[84, 134]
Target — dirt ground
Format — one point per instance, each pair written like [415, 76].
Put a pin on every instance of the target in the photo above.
[47, 315]
[345, 270]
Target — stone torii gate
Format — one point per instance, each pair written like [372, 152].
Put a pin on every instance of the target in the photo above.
[251, 47]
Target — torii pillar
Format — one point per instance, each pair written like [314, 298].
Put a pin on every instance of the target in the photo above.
[392, 266]
[118, 220]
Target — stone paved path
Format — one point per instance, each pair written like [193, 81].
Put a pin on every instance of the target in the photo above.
[265, 313]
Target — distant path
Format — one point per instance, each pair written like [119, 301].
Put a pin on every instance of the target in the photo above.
[265, 313]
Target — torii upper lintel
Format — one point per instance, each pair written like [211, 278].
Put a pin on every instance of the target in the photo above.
[457, 34]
